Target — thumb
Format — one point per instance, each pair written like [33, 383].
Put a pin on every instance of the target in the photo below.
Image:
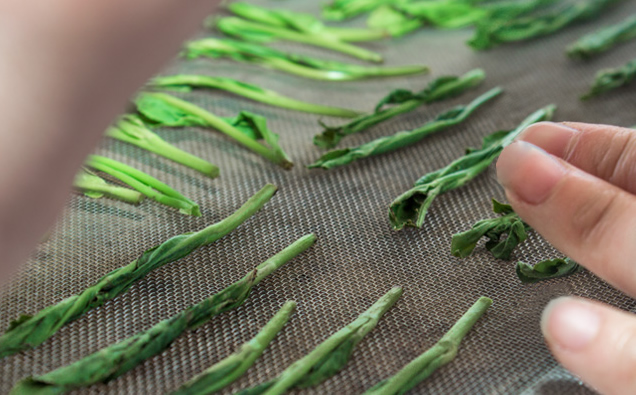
[593, 341]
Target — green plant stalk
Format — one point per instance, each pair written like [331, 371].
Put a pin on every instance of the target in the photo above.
[117, 359]
[505, 233]
[303, 66]
[330, 356]
[405, 101]
[246, 30]
[340, 10]
[494, 31]
[403, 139]
[300, 22]
[546, 270]
[274, 153]
[225, 372]
[351, 34]
[249, 91]
[401, 18]
[603, 40]
[443, 352]
[95, 187]
[388, 17]
[411, 207]
[30, 331]
[610, 79]
[451, 14]
[144, 183]
[131, 129]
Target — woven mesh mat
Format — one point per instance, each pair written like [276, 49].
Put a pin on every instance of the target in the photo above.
[358, 257]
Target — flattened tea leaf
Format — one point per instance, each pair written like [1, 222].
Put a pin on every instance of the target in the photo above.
[603, 40]
[330, 356]
[546, 270]
[410, 208]
[131, 129]
[95, 187]
[117, 359]
[263, 33]
[505, 233]
[442, 353]
[498, 30]
[249, 130]
[304, 23]
[30, 331]
[403, 101]
[402, 139]
[300, 65]
[188, 82]
[144, 183]
[225, 372]
[610, 79]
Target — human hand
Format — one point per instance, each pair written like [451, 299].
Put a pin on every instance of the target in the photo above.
[68, 69]
[575, 184]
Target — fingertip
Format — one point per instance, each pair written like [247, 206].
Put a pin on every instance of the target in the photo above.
[552, 137]
[595, 342]
[529, 172]
[570, 324]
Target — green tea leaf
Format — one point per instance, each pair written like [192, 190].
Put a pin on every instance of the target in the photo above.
[300, 65]
[403, 101]
[546, 270]
[394, 21]
[330, 356]
[603, 40]
[501, 29]
[95, 187]
[247, 129]
[30, 331]
[411, 207]
[610, 79]
[131, 129]
[253, 92]
[223, 373]
[442, 353]
[300, 22]
[505, 233]
[402, 139]
[119, 358]
[144, 183]
[264, 33]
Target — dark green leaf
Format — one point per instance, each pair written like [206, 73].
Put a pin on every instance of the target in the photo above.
[405, 101]
[500, 28]
[159, 112]
[442, 353]
[603, 40]
[303, 66]
[411, 207]
[382, 145]
[28, 332]
[117, 359]
[332, 355]
[609, 79]
[546, 270]
[505, 233]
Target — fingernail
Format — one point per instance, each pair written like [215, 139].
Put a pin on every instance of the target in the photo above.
[570, 324]
[528, 171]
[549, 136]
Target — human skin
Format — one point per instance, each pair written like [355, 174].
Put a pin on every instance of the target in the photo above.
[68, 68]
[576, 185]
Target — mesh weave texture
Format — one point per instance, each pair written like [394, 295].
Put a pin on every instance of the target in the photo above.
[358, 257]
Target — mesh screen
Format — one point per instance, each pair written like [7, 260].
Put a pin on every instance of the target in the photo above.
[358, 257]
